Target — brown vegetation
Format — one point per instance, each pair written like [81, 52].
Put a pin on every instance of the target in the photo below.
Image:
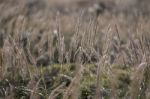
[70, 50]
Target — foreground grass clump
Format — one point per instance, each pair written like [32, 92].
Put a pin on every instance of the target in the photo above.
[47, 79]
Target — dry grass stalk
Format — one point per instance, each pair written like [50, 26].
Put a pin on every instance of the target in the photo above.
[35, 86]
[100, 69]
[56, 91]
[140, 81]
[72, 92]
[98, 84]
[1, 64]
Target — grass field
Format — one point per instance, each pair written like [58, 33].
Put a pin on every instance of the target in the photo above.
[74, 49]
